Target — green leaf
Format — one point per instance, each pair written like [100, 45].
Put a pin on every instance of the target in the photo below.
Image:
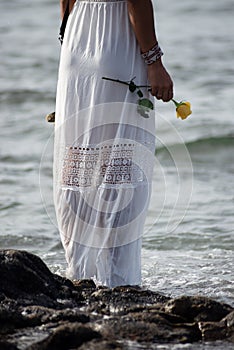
[143, 111]
[145, 102]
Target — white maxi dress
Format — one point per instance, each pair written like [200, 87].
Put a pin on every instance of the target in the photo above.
[104, 148]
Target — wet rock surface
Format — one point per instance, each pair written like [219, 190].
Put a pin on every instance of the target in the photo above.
[40, 310]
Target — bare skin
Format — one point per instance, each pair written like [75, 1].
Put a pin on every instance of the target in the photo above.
[142, 21]
[63, 5]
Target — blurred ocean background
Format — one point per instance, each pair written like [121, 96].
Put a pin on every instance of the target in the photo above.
[195, 255]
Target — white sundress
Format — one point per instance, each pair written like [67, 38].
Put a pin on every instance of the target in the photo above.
[104, 149]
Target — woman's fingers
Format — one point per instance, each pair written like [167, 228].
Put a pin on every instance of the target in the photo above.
[165, 94]
[170, 95]
[160, 82]
[160, 93]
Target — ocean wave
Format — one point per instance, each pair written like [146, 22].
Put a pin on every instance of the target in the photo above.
[214, 142]
[17, 96]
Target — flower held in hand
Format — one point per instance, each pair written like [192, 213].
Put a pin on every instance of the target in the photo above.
[183, 109]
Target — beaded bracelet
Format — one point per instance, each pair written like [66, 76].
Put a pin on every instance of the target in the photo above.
[152, 55]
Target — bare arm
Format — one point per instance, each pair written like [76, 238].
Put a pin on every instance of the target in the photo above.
[63, 5]
[142, 20]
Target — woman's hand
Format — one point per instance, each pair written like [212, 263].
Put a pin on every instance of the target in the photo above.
[160, 81]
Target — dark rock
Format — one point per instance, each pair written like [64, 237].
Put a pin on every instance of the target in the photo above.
[84, 284]
[229, 319]
[103, 345]
[43, 311]
[7, 346]
[121, 300]
[66, 336]
[11, 317]
[153, 330]
[213, 330]
[218, 330]
[197, 308]
[37, 315]
[25, 278]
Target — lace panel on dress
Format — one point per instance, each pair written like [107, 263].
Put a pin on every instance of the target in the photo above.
[109, 164]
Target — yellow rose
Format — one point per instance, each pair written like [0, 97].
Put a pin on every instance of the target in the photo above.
[183, 109]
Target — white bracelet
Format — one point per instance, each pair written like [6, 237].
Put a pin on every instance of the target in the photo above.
[152, 55]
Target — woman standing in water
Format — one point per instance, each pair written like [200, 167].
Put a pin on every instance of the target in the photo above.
[102, 179]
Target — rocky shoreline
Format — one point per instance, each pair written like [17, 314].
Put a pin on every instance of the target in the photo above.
[43, 311]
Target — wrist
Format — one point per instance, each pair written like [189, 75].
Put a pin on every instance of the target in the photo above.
[153, 55]
[158, 63]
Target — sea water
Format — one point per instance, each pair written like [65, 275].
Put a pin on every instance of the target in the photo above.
[188, 244]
